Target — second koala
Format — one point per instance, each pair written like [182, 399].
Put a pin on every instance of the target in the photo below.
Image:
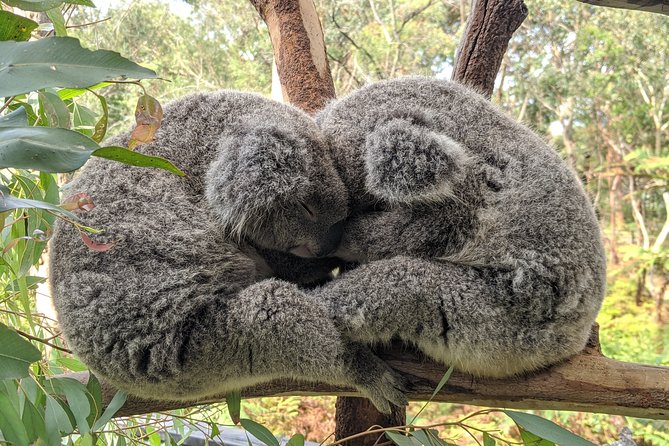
[483, 248]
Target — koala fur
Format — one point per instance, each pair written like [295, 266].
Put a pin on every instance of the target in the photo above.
[179, 310]
[483, 249]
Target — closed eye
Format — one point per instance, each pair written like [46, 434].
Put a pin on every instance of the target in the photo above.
[309, 212]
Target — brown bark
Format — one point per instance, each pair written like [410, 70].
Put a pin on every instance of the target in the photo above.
[354, 415]
[299, 51]
[659, 6]
[587, 382]
[490, 26]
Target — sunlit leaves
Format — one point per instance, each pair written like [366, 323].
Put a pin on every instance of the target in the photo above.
[546, 429]
[127, 156]
[15, 27]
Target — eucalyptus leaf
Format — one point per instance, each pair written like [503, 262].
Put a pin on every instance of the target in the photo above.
[11, 425]
[56, 17]
[54, 109]
[546, 429]
[76, 395]
[296, 440]
[60, 62]
[45, 149]
[402, 440]
[33, 421]
[133, 158]
[16, 354]
[9, 202]
[56, 419]
[15, 27]
[34, 5]
[259, 431]
[17, 118]
[114, 405]
[234, 402]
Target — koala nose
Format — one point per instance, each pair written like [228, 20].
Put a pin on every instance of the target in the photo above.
[331, 239]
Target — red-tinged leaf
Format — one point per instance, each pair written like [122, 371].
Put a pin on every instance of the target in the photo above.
[78, 202]
[148, 115]
[142, 134]
[98, 247]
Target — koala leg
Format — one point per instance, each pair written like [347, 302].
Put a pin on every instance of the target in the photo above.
[459, 315]
[288, 334]
[407, 162]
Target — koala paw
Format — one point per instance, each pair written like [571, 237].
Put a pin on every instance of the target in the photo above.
[376, 380]
[408, 162]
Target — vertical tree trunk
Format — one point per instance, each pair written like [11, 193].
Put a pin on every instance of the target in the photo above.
[490, 26]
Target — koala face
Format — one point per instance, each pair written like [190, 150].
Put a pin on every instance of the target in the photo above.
[278, 188]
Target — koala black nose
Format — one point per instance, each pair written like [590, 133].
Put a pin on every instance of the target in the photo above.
[331, 239]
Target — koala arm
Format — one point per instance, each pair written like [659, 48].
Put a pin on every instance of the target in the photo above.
[407, 162]
[482, 321]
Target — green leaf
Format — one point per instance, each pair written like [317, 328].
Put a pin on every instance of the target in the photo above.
[428, 437]
[296, 440]
[76, 396]
[114, 405]
[401, 440]
[234, 402]
[133, 158]
[69, 93]
[546, 429]
[56, 419]
[17, 118]
[11, 425]
[15, 27]
[95, 398]
[54, 109]
[45, 149]
[33, 421]
[60, 62]
[259, 431]
[9, 202]
[81, 2]
[101, 125]
[442, 383]
[488, 440]
[72, 364]
[56, 17]
[529, 439]
[16, 354]
[34, 5]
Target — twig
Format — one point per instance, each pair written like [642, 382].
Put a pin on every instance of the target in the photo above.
[89, 23]
[6, 104]
[35, 338]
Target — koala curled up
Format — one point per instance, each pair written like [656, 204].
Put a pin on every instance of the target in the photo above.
[177, 309]
[483, 249]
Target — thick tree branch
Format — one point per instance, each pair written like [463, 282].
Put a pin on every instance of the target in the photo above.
[490, 26]
[659, 6]
[587, 382]
[299, 51]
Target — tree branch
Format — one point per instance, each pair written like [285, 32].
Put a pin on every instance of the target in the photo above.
[587, 382]
[490, 26]
[659, 6]
[299, 51]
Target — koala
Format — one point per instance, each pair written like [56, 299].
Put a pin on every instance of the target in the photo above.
[185, 305]
[479, 245]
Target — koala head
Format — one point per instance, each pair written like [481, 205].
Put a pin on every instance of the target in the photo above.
[278, 188]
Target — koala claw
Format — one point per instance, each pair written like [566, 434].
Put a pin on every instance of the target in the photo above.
[377, 381]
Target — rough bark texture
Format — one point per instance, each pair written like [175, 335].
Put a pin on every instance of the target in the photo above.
[587, 382]
[355, 415]
[490, 26]
[299, 51]
[659, 6]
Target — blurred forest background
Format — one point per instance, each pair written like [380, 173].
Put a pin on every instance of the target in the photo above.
[593, 81]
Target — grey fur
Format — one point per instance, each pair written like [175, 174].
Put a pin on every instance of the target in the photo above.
[483, 248]
[176, 310]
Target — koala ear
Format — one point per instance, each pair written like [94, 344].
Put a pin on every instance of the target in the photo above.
[408, 162]
[255, 171]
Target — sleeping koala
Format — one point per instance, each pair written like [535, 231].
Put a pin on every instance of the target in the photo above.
[483, 248]
[179, 310]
